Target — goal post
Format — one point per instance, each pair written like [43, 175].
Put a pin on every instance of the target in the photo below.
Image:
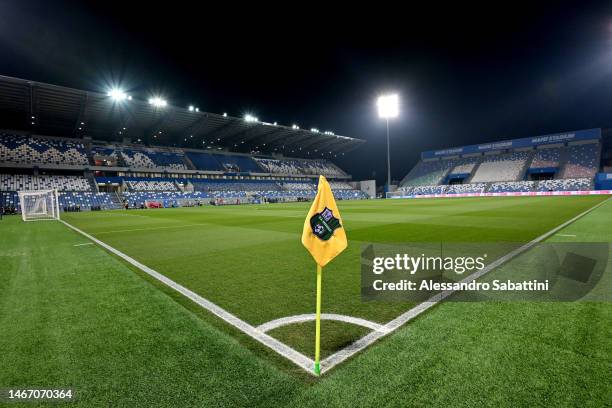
[39, 205]
[396, 194]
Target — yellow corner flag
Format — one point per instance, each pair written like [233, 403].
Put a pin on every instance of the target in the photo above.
[324, 237]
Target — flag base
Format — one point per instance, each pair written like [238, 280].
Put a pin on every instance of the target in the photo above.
[317, 368]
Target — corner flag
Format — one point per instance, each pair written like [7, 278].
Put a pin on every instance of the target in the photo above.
[324, 237]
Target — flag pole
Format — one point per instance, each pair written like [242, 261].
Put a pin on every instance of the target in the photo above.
[317, 367]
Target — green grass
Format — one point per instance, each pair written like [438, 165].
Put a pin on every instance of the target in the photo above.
[249, 259]
[79, 316]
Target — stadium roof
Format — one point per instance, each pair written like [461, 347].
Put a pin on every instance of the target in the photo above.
[46, 109]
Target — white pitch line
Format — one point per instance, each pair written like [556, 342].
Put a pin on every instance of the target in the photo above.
[87, 243]
[294, 356]
[341, 355]
[566, 235]
[283, 321]
[148, 229]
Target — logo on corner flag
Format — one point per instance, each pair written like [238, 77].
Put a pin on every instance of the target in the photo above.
[324, 224]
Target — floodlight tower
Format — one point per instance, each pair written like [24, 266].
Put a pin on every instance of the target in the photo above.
[388, 108]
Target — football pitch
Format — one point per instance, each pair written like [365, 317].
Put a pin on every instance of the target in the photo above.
[73, 314]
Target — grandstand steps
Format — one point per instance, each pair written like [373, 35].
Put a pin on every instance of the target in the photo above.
[563, 156]
[342, 172]
[444, 177]
[121, 161]
[89, 154]
[187, 161]
[599, 157]
[116, 199]
[473, 173]
[523, 173]
[92, 182]
[408, 176]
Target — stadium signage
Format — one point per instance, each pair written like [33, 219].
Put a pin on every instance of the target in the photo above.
[579, 135]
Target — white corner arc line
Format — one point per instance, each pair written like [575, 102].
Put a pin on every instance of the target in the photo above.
[294, 356]
[283, 321]
[341, 355]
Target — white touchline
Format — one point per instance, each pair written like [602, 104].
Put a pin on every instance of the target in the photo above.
[283, 321]
[87, 243]
[296, 357]
[566, 235]
[341, 355]
[379, 331]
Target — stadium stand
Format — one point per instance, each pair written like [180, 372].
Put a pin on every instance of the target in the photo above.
[577, 184]
[74, 191]
[466, 188]
[339, 185]
[421, 190]
[582, 160]
[299, 186]
[433, 172]
[428, 173]
[546, 157]
[19, 182]
[150, 185]
[204, 161]
[21, 149]
[500, 167]
[511, 186]
[559, 162]
[153, 160]
[295, 166]
[166, 198]
[235, 163]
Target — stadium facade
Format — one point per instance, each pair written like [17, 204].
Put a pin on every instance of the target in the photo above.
[107, 152]
[561, 163]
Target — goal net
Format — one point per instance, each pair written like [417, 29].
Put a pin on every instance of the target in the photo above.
[39, 205]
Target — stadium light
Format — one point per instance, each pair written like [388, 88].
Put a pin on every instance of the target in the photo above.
[158, 102]
[314, 130]
[118, 95]
[388, 108]
[250, 118]
[191, 108]
[296, 127]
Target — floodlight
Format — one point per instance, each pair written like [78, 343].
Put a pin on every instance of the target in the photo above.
[158, 102]
[118, 95]
[388, 106]
[250, 118]
[295, 127]
[315, 130]
[191, 108]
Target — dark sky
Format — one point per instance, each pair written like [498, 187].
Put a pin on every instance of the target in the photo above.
[464, 75]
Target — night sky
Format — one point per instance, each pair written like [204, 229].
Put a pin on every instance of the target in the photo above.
[464, 75]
